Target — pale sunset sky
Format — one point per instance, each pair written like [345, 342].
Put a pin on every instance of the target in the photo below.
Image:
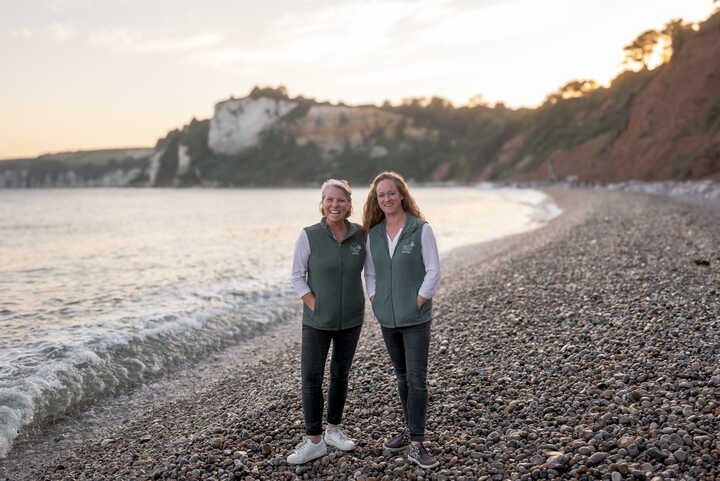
[86, 74]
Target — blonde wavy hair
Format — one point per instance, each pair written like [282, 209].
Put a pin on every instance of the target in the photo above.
[373, 215]
[341, 184]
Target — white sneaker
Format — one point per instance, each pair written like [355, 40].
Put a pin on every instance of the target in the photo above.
[307, 451]
[337, 438]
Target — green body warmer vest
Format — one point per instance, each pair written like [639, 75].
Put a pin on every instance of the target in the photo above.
[334, 278]
[398, 279]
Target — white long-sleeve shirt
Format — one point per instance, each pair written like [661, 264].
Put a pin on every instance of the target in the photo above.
[430, 256]
[300, 264]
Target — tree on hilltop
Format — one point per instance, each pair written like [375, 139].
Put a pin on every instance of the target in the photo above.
[573, 89]
[653, 46]
[279, 93]
[477, 100]
[641, 50]
[677, 32]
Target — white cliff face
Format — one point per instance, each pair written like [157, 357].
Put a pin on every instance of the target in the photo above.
[69, 178]
[119, 177]
[13, 178]
[154, 166]
[378, 151]
[183, 160]
[237, 123]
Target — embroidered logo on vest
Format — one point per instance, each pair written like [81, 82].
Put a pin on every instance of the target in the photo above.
[407, 247]
[355, 249]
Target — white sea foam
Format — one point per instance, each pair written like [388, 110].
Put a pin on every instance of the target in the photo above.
[114, 356]
[544, 207]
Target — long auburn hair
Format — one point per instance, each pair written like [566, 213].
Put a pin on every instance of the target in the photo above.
[373, 215]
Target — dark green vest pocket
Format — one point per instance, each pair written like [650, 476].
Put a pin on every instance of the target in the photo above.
[334, 278]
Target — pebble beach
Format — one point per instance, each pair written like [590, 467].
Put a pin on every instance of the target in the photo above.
[586, 349]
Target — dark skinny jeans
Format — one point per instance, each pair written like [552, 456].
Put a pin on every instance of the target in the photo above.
[315, 347]
[408, 348]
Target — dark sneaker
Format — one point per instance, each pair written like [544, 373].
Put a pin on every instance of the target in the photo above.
[419, 455]
[398, 443]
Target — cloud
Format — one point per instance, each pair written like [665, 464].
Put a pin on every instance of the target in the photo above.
[62, 31]
[22, 32]
[359, 34]
[57, 6]
[343, 34]
[124, 39]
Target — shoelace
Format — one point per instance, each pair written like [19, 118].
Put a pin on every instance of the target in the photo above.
[302, 446]
[421, 450]
[401, 439]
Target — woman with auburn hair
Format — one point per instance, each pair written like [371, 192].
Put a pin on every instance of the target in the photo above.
[329, 257]
[402, 274]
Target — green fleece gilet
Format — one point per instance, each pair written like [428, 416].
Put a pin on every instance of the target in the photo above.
[334, 278]
[398, 279]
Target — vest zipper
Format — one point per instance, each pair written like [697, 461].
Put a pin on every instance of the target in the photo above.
[397, 244]
[392, 294]
[392, 291]
[341, 284]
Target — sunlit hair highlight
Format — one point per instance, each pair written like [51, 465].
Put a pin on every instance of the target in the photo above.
[373, 215]
[343, 185]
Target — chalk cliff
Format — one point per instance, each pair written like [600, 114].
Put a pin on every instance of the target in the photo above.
[237, 122]
[271, 139]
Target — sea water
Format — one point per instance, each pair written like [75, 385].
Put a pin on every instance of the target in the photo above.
[103, 290]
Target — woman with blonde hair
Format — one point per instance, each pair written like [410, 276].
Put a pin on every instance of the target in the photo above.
[329, 257]
[402, 274]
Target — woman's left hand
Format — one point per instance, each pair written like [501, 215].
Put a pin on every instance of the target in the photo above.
[420, 301]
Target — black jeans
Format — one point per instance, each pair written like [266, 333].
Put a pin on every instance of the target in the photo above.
[315, 347]
[408, 348]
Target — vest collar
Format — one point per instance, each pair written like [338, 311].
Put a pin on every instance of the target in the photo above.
[411, 224]
[351, 229]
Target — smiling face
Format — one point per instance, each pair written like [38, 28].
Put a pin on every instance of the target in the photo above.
[335, 205]
[388, 196]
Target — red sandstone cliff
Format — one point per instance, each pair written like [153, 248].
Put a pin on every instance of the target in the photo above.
[669, 135]
[673, 131]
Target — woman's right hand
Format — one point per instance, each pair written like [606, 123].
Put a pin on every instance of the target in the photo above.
[309, 300]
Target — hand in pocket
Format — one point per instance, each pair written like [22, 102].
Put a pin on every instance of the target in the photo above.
[420, 301]
[309, 300]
